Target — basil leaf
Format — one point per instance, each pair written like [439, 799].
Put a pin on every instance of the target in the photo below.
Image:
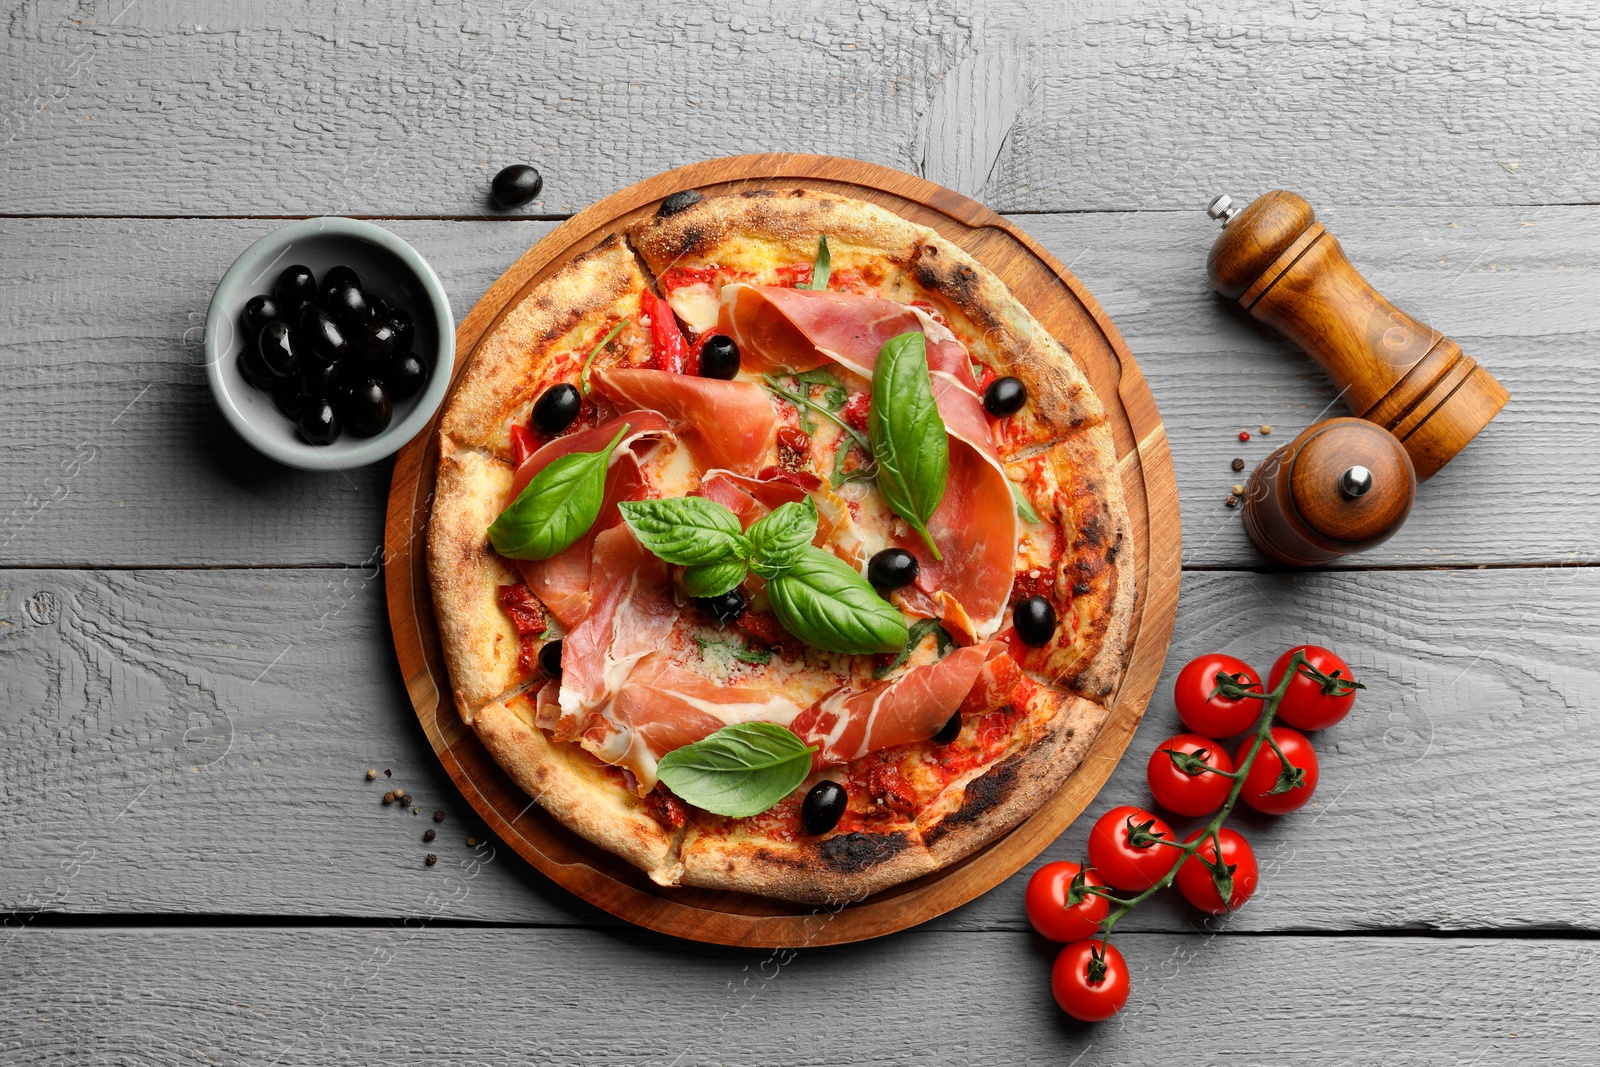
[827, 603]
[908, 436]
[777, 540]
[583, 375]
[822, 268]
[690, 531]
[713, 579]
[915, 636]
[556, 508]
[1024, 508]
[740, 770]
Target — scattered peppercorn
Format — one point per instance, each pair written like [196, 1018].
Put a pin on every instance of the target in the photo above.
[1237, 464]
[1238, 490]
[405, 800]
[388, 798]
[431, 860]
[1266, 428]
[472, 842]
[429, 834]
[1244, 435]
[387, 773]
[438, 816]
[371, 773]
[1232, 501]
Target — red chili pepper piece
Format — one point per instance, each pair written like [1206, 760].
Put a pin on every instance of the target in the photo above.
[670, 350]
[522, 443]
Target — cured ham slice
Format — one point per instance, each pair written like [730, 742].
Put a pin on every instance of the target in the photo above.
[723, 423]
[846, 724]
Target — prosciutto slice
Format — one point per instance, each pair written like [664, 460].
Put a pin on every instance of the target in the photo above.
[723, 423]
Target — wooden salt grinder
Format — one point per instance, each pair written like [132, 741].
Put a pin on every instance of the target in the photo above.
[1343, 485]
[1278, 262]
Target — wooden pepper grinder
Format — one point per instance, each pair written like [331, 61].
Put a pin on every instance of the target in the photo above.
[1343, 485]
[1278, 262]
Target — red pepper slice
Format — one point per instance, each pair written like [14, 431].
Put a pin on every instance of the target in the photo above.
[522, 444]
[671, 351]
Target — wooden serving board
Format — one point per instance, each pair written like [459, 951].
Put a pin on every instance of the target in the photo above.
[1064, 307]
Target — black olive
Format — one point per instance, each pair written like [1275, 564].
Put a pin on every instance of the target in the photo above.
[279, 353]
[323, 338]
[317, 380]
[294, 287]
[555, 409]
[319, 423]
[725, 608]
[678, 201]
[258, 311]
[347, 304]
[340, 275]
[404, 329]
[287, 397]
[824, 806]
[950, 730]
[1035, 621]
[252, 370]
[550, 659]
[719, 357]
[405, 374]
[380, 307]
[891, 568]
[1005, 396]
[515, 186]
[377, 341]
[369, 408]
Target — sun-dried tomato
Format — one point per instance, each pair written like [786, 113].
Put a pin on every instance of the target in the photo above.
[889, 789]
[526, 613]
[665, 808]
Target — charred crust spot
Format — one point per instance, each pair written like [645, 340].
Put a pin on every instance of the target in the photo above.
[679, 201]
[854, 852]
[983, 795]
[1081, 589]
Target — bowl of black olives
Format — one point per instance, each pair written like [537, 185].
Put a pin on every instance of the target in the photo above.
[329, 344]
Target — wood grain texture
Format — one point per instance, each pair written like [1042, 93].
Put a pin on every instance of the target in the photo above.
[195, 742]
[148, 108]
[297, 996]
[94, 311]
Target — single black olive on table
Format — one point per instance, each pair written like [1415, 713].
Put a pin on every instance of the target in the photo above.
[1005, 396]
[377, 341]
[719, 357]
[319, 423]
[1035, 621]
[556, 407]
[725, 608]
[323, 338]
[340, 275]
[515, 186]
[405, 375]
[369, 408]
[347, 304]
[950, 730]
[279, 353]
[258, 311]
[550, 659]
[892, 568]
[824, 806]
[295, 286]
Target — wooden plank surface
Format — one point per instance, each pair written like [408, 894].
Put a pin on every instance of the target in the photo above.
[195, 741]
[100, 328]
[133, 108]
[415, 993]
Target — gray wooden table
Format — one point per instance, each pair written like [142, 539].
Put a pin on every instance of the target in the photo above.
[194, 655]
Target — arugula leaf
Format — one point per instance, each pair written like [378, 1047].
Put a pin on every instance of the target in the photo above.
[713, 579]
[834, 394]
[556, 508]
[740, 770]
[778, 539]
[776, 388]
[743, 653]
[583, 375]
[1024, 508]
[915, 636]
[822, 268]
[690, 531]
[828, 604]
[908, 436]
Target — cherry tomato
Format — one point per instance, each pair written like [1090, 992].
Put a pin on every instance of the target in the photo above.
[1309, 704]
[1268, 768]
[1215, 716]
[1194, 877]
[1181, 792]
[1124, 865]
[1090, 982]
[1048, 910]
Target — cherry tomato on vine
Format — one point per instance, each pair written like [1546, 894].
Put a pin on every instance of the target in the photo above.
[1048, 910]
[1182, 792]
[1124, 865]
[1194, 878]
[1310, 704]
[1090, 982]
[1215, 716]
[1266, 788]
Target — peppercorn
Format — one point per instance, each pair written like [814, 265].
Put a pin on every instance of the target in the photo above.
[388, 798]
[1244, 435]
[431, 860]
[1266, 428]
[1238, 490]
[1232, 501]
[405, 800]
[429, 834]
[472, 842]
[438, 816]
[1237, 464]
[387, 773]
[371, 773]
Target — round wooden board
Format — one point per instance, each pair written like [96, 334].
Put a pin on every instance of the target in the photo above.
[1064, 307]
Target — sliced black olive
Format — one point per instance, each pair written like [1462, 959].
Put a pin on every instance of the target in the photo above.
[950, 730]
[892, 568]
[1035, 620]
[340, 275]
[369, 408]
[515, 185]
[725, 608]
[377, 341]
[550, 659]
[404, 329]
[258, 311]
[405, 374]
[678, 201]
[323, 338]
[279, 354]
[824, 806]
[1005, 396]
[719, 357]
[556, 407]
[347, 304]
[319, 423]
[294, 287]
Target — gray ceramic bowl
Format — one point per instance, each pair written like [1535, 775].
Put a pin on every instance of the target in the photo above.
[388, 267]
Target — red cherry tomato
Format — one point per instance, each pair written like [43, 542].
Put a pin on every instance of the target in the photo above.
[1215, 716]
[1194, 879]
[1268, 769]
[1048, 910]
[1090, 983]
[1179, 791]
[1123, 864]
[1309, 704]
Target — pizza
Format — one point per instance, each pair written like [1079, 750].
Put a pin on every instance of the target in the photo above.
[777, 548]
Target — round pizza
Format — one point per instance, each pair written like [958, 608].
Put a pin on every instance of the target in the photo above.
[777, 548]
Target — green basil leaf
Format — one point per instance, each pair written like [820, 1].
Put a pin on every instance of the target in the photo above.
[740, 770]
[777, 540]
[556, 508]
[713, 579]
[1024, 508]
[690, 531]
[908, 436]
[828, 604]
[915, 636]
[822, 268]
